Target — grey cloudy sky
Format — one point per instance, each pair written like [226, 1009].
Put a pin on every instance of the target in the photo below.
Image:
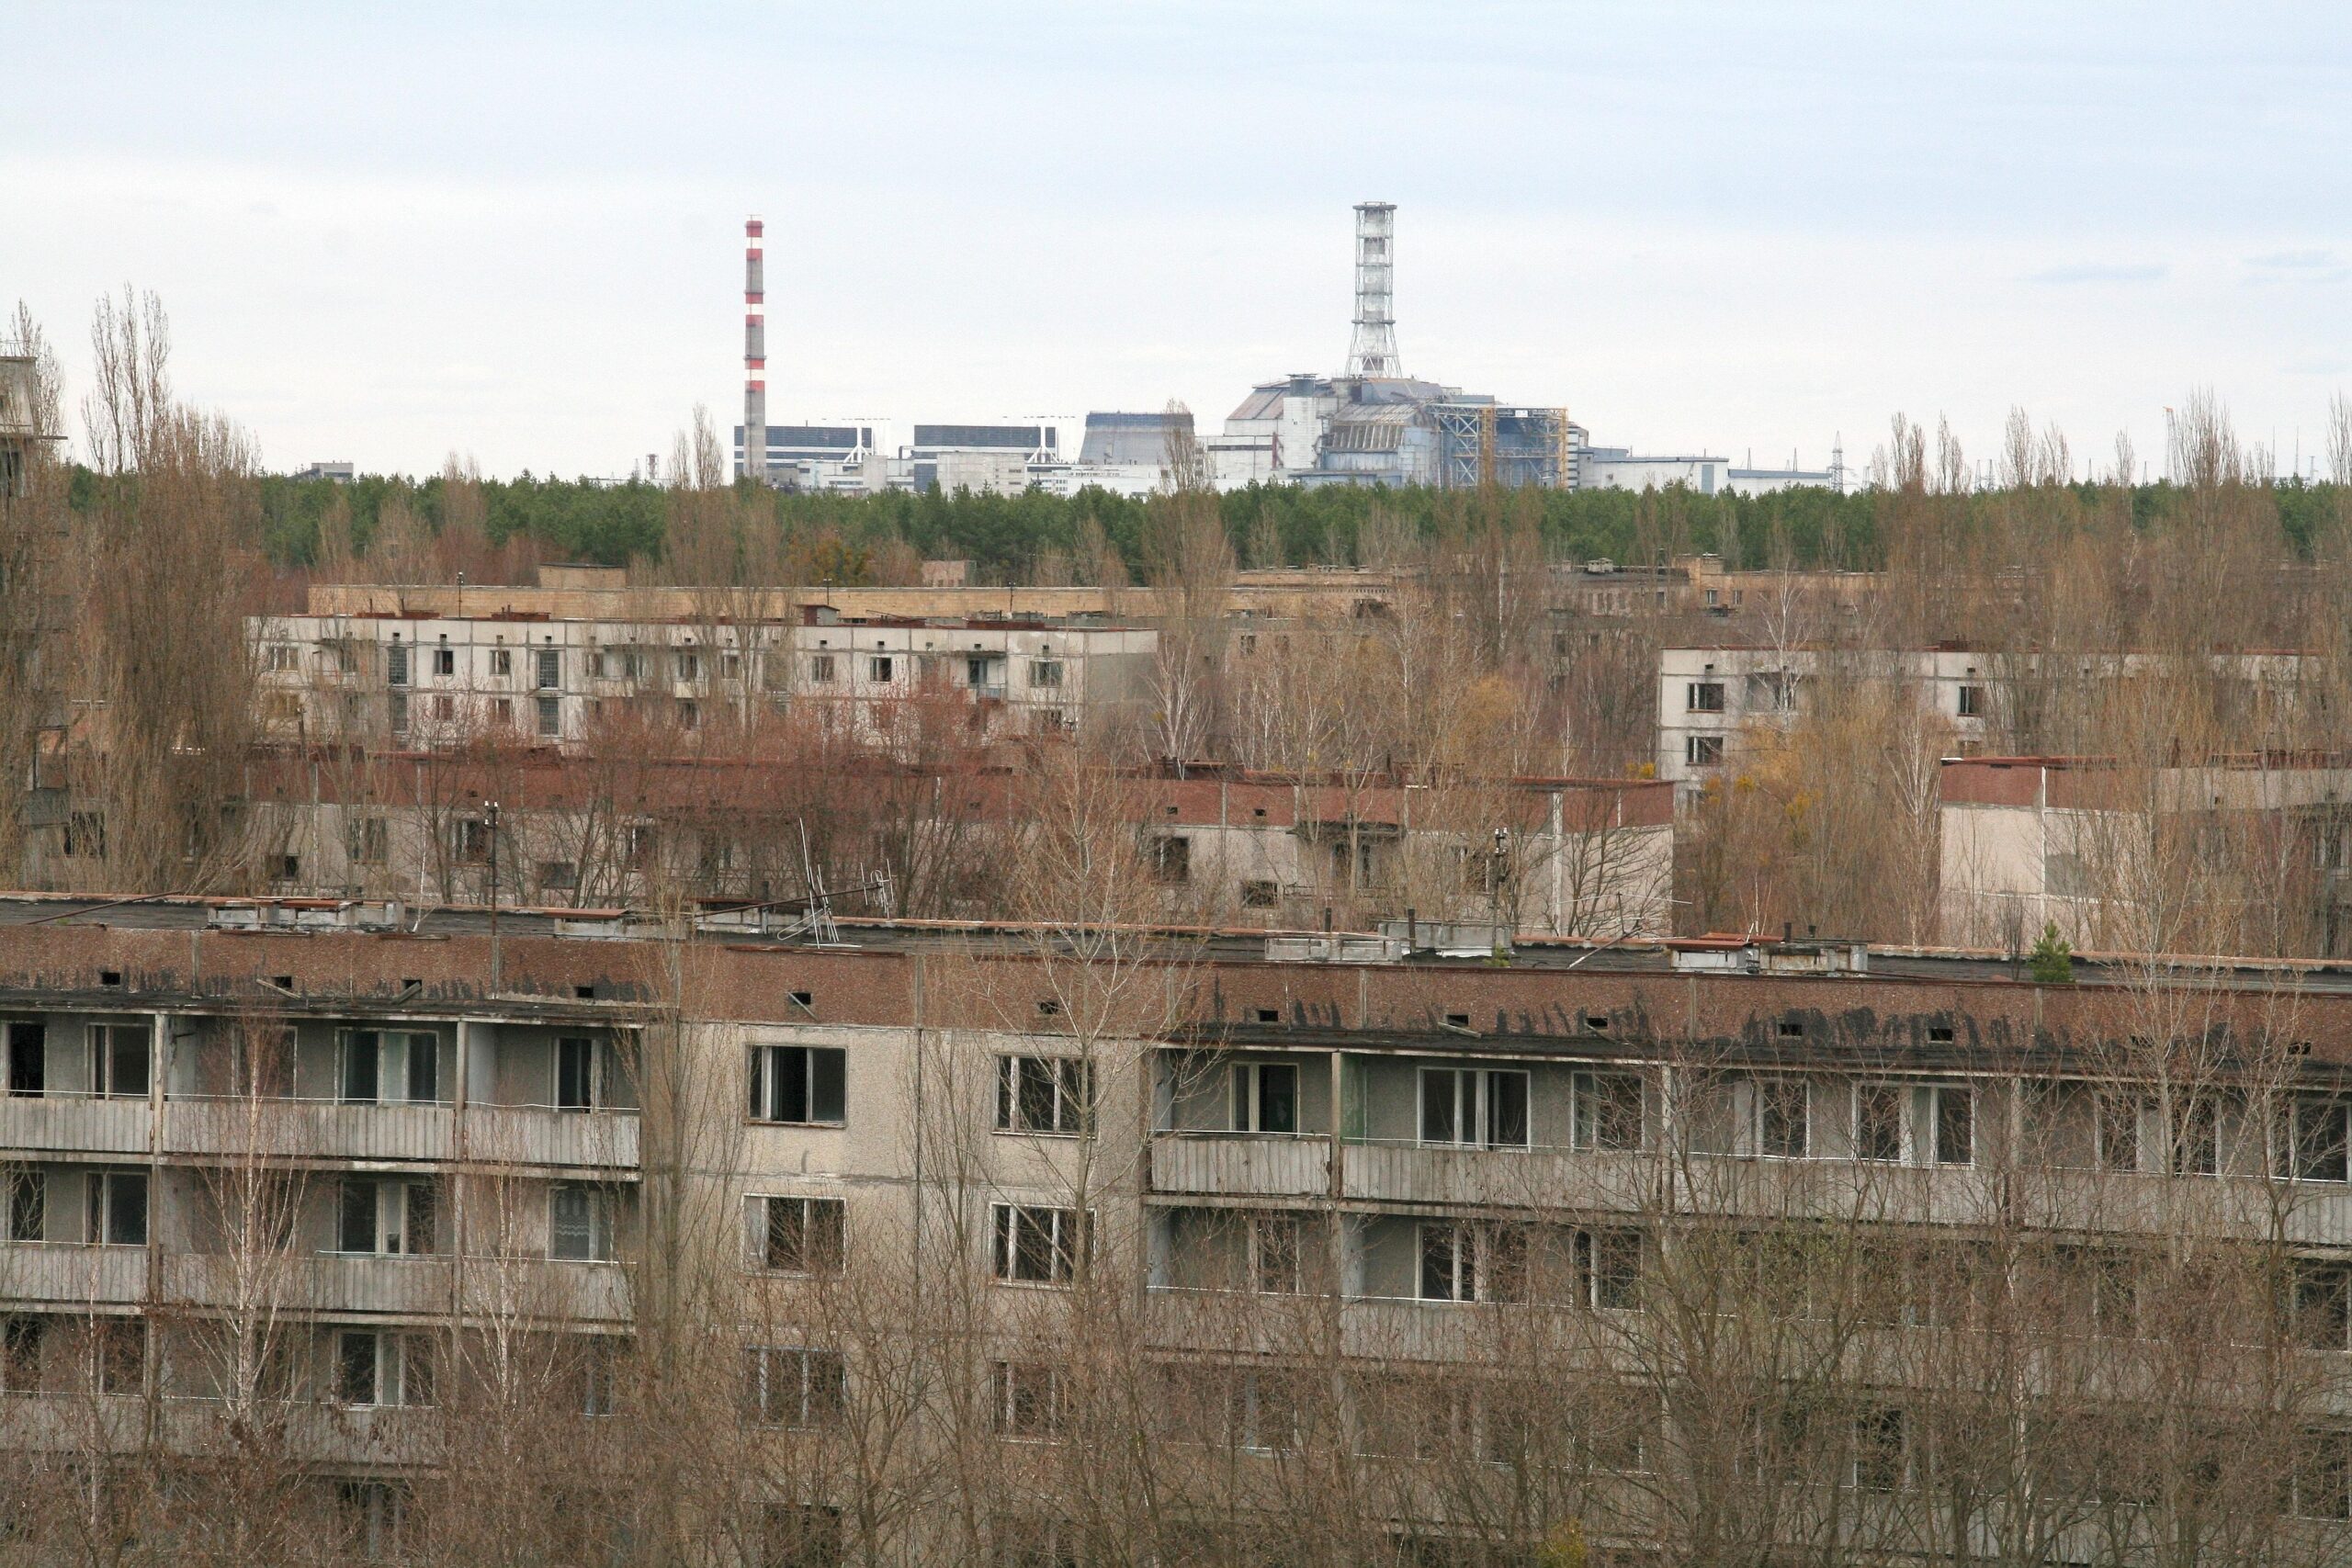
[387, 232]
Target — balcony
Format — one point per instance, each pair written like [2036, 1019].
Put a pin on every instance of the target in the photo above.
[307, 1129]
[68, 1273]
[520, 1288]
[1241, 1165]
[74, 1124]
[537, 1134]
[1505, 1177]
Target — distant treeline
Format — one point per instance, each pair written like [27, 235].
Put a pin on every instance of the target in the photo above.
[1006, 538]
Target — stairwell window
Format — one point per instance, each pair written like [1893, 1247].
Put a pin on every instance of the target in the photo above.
[799, 1236]
[1044, 1094]
[800, 1085]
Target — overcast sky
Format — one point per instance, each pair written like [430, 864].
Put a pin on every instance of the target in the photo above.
[387, 232]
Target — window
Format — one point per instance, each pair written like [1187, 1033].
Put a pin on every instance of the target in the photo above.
[1277, 1253]
[550, 668]
[583, 1074]
[390, 1068]
[374, 1516]
[787, 1385]
[2323, 1475]
[1609, 1269]
[820, 669]
[399, 712]
[117, 1208]
[121, 1347]
[799, 1083]
[374, 1367]
[580, 1228]
[1464, 1260]
[502, 662]
[290, 868]
[1608, 1112]
[1953, 1121]
[1171, 858]
[878, 670]
[1044, 1094]
[689, 665]
[1878, 1122]
[1259, 894]
[1781, 1126]
[2316, 1135]
[1480, 1107]
[799, 1236]
[396, 665]
[120, 1054]
[28, 1059]
[1033, 1245]
[1703, 750]
[2196, 1136]
[558, 876]
[2115, 1128]
[24, 1202]
[1266, 1097]
[280, 657]
[2322, 1306]
[1704, 696]
[689, 714]
[640, 842]
[550, 717]
[1046, 673]
[366, 840]
[387, 1218]
[470, 841]
[1972, 702]
[1026, 1399]
[1880, 1450]
[444, 661]
[800, 1535]
[22, 1337]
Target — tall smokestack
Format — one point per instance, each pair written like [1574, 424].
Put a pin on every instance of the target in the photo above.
[1372, 351]
[756, 354]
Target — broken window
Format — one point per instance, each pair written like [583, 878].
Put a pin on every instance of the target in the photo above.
[800, 1083]
[24, 1202]
[1171, 858]
[396, 665]
[1025, 1398]
[800, 1236]
[1035, 1246]
[1044, 1094]
[1972, 702]
[1259, 894]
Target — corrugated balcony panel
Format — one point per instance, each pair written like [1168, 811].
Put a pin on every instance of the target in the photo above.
[516, 1135]
[303, 1129]
[356, 1283]
[1537, 1178]
[538, 1287]
[1241, 1165]
[36, 1272]
[74, 1124]
[2144, 1203]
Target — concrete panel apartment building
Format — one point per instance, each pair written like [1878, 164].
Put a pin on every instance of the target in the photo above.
[1707, 1252]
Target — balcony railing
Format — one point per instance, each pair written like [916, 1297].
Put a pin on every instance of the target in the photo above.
[519, 1288]
[297, 1129]
[537, 1134]
[75, 1122]
[1254, 1165]
[71, 1273]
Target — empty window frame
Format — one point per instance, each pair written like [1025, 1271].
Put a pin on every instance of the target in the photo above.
[28, 1064]
[389, 1066]
[1044, 1094]
[374, 1366]
[1608, 1268]
[1607, 1115]
[387, 1217]
[1026, 1400]
[116, 1208]
[1703, 750]
[1949, 1120]
[799, 1236]
[1031, 1245]
[1474, 1106]
[1703, 696]
[794, 1386]
[1171, 859]
[121, 1060]
[1046, 673]
[581, 1227]
[1266, 1097]
[803, 1085]
[396, 665]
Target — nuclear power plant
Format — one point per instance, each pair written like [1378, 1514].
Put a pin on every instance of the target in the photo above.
[1372, 424]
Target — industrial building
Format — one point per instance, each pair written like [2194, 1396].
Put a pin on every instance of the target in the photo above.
[1631, 1247]
[1376, 426]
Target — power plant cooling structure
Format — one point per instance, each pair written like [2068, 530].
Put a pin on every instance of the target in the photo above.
[756, 354]
[1372, 351]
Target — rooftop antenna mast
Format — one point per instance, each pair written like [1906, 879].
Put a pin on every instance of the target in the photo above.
[1372, 351]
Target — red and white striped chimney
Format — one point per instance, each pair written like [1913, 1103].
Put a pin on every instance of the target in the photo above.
[756, 354]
